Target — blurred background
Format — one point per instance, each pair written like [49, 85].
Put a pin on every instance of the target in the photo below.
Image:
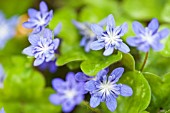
[26, 88]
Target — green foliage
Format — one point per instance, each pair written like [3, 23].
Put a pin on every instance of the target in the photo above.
[140, 99]
[160, 91]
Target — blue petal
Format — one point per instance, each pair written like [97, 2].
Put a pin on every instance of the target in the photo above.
[48, 33]
[144, 47]
[123, 48]
[83, 41]
[124, 29]
[96, 45]
[153, 25]
[50, 57]
[79, 25]
[28, 51]
[70, 78]
[103, 22]
[125, 90]
[43, 7]
[132, 41]
[28, 24]
[56, 43]
[94, 101]
[55, 99]
[98, 30]
[68, 105]
[57, 29]
[137, 28]
[58, 83]
[102, 73]
[78, 99]
[163, 33]
[110, 21]
[117, 73]
[81, 77]
[90, 86]
[111, 103]
[33, 39]
[32, 12]
[157, 46]
[38, 61]
[108, 51]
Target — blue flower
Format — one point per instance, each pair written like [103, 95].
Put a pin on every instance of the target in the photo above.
[110, 38]
[69, 93]
[148, 37]
[105, 89]
[2, 110]
[2, 76]
[86, 32]
[38, 19]
[51, 65]
[43, 46]
[7, 29]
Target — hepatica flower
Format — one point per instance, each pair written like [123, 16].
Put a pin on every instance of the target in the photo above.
[7, 29]
[2, 76]
[87, 35]
[148, 37]
[110, 38]
[2, 110]
[51, 66]
[69, 92]
[43, 46]
[105, 89]
[38, 19]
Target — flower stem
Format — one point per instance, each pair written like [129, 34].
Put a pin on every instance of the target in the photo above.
[95, 110]
[144, 62]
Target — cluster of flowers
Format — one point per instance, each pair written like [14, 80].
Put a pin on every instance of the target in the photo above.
[105, 34]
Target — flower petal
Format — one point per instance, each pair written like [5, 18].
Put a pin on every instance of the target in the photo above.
[103, 22]
[28, 51]
[153, 25]
[123, 48]
[90, 86]
[81, 77]
[94, 101]
[33, 39]
[132, 41]
[102, 73]
[32, 12]
[125, 90]
[55, 99]
[38, 61]
[137, 28]
[157, 46]
[163, 33]
[68, 105]
[57, 29]
[144, 47]
[56, 42]
[28, 24]
[70, 78]
[79, 25]
[98, 30]
[110, 21]
[124, 29]
[96, 45]
[111, 103]
[108, 51]
[43, 7]
[58, 83]
[48, 33]
[117, 73]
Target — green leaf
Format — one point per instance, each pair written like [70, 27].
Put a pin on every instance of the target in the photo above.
[165, 15]
[143, 9]
[160, 91]
[97, 62]
[140, 99]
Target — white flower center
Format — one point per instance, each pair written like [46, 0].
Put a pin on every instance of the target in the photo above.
[106, 87]
[41, 22]
[147, 36]
[70, 94]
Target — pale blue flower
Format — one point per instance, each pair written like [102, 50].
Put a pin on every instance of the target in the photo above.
[105, 89]
[87, 35]
[43, 46]
[51, 66]
[38, 19]
[2, 110]
[148, 37]
[69, 92]
[7, 29]
[110, 38]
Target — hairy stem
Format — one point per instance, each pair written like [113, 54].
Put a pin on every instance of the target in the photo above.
[144, 62]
